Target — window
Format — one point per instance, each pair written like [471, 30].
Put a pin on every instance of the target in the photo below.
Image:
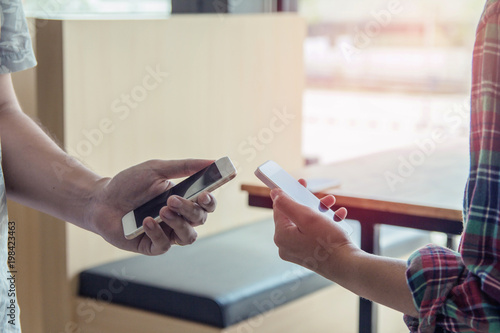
[56, 8]
[381, 74]
[156, 8]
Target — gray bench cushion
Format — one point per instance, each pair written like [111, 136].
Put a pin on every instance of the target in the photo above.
[219, 280]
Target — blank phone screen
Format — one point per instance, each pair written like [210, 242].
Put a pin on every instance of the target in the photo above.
[275, 176]
[298, 192]
[188, 188]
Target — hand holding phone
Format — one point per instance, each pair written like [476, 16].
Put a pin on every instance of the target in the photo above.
[207, 179]
[271, 174]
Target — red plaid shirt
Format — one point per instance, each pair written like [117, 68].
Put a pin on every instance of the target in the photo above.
[460, 292]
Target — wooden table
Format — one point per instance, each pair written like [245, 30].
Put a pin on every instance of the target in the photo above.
[420, 187]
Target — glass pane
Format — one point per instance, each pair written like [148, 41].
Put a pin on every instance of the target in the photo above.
[382, 74]
[56, 8]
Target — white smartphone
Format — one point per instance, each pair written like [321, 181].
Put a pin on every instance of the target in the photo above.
[207, 179]
[320, 184]
[271, 174]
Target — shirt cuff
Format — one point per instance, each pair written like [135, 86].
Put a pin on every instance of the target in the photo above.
[432, 273]
[14, 62]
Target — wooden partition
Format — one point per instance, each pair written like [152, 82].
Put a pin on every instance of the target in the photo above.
[119, 92]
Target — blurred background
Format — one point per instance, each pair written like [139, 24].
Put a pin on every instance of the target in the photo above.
[385, 73]
[379, 74]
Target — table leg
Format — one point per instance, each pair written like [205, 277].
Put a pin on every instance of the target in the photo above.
[279, 5]
[367, 309]
[450, 242]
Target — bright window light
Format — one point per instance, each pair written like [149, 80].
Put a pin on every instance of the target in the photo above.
[381, 74]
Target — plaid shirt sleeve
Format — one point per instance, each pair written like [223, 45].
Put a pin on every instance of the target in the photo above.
[460, 292]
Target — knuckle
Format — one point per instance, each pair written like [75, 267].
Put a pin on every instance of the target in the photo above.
[284, 255]
[187, 166]
[310, 216]
[202, 221]
[277, 202]
[197, 218]
[154, 165]
[192, 239]
[278, 240]
[164, 247]
[154, 238]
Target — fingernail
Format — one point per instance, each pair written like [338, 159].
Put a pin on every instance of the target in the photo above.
[149, 224]
[206, 199]
[168, 215]
[175, 202]
[274, 194]
[337, 218]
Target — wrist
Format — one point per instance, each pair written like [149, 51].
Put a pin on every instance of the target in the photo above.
[376, 278]
[343, 263]
[95, 194]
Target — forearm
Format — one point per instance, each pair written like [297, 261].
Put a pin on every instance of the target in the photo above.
[377, 278]
[38, 173]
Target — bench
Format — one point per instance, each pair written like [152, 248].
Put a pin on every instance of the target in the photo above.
[218, 282]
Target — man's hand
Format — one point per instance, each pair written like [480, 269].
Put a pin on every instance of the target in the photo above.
[129, 189]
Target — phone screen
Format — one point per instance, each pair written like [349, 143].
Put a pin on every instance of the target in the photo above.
[274, 176]
[187, 188]
[297, 192]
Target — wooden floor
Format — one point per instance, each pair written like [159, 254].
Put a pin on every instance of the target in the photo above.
[342, 305]
[332, 309]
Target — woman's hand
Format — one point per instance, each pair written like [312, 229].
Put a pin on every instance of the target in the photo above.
[306, 237]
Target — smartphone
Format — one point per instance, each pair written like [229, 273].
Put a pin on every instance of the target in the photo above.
[207, 179]
[271, 174]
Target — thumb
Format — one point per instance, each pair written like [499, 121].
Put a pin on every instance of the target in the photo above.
[281, 220]
[179, 168]
[302, 216]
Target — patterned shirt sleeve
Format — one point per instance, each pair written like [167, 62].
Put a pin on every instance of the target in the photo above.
[16, 51]
[460, 291]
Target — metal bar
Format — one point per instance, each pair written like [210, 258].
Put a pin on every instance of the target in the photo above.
[279, 5]
[450, 242]
[367, 309]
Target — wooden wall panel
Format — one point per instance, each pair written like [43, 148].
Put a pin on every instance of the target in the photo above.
[117, 92]
[191, 86]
